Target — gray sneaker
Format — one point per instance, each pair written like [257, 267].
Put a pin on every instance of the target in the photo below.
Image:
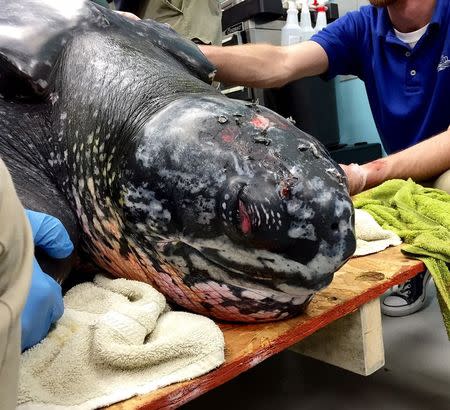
[407, 298]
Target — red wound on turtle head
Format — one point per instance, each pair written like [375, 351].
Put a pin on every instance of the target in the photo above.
[285, 190]
[260, 122]
[227, 138]
[286, 187]
[229, 133]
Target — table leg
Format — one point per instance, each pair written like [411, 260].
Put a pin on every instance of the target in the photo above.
[354, 342]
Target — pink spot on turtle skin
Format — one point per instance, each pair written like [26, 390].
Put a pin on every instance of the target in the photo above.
[246, 225]
[260, 122]
[227, 138]
[278, 122]
[215, 291]
[229, 134]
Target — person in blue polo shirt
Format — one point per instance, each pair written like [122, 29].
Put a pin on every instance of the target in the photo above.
[401, 50]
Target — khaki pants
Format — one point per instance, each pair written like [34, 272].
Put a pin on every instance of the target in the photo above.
[193, 19]
[16, 256]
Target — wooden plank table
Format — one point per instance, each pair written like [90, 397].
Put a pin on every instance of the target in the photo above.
[358, 282]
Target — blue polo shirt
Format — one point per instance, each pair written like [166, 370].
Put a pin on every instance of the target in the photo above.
[408, 89]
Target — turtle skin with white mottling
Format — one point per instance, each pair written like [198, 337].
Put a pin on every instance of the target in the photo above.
[226, 207]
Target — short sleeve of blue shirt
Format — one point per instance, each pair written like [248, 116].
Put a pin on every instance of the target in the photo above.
[342, 41]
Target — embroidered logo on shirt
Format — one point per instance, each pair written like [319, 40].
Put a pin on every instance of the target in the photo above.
[444, 63]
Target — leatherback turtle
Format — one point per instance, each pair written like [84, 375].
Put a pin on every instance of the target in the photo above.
[112, 126]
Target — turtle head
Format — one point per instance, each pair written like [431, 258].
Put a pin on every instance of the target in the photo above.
[236, 195]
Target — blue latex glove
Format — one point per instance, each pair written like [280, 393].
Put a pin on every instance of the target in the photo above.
[44, 304]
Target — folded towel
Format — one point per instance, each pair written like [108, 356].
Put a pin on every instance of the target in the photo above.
[370, 236]
[421, 217]
[116, 339]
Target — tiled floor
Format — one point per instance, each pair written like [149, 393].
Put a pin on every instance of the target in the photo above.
[416, 376]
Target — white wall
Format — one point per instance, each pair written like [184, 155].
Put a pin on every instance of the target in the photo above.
[348, 5]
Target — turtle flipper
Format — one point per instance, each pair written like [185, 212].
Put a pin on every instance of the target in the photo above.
[30, 45]
[184, 51]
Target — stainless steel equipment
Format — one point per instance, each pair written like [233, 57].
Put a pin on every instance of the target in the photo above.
[235, 11]
[251, 31]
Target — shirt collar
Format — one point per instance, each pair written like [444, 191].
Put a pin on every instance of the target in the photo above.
[384, 24]
[441, 13]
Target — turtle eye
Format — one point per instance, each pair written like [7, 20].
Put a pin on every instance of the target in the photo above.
[246, 224]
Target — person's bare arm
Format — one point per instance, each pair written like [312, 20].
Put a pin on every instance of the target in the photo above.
[266, 66]
[423, 161]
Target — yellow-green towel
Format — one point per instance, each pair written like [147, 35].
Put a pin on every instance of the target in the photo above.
[421, 217]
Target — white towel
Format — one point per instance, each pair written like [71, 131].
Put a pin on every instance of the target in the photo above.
[116, 339]
[370, 236]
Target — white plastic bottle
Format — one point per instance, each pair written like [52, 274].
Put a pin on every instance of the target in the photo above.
[321, 16]
[291, 32]
[305, 22]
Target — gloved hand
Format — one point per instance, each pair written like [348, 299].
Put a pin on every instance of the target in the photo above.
[356, 177]
[44, 304]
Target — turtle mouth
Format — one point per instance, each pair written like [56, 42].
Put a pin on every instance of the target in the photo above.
[294, 283]
[280, 283]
